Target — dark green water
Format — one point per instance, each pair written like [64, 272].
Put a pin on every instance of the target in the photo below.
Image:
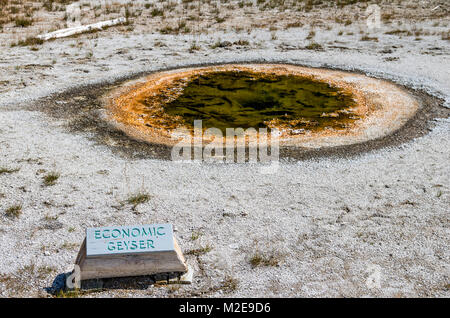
[243, 99]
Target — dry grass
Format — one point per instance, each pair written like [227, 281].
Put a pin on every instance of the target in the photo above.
[51, 178]
[259, 259]
[23, 22]
[229, 284]
[14, 211]
[138, 198]
[199, 251]
[194, 47]
[311, 35]
[19, 283]
[314, 46]
[70, 246]
[195, 236]
[29, 41]
[4, 170]
[195, 17]
[369, 38]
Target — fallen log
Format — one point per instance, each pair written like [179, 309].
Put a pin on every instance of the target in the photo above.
[80, 29]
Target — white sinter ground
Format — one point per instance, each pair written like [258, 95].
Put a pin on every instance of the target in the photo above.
[331, 224]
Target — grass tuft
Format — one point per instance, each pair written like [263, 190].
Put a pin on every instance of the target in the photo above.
[194, 47]
[259, 259]
[369, 38]
[195, 236]
[28, 42]
[138, 198]
[51, 178]
[14, 211]
[6, 170]
[23, 22]
[157, 13]
[229, 284]
[199, 251]
[314, 46]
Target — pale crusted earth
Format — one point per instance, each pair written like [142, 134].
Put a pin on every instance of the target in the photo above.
[374, 225]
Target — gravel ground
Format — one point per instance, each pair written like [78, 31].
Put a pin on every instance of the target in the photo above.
[376, 224]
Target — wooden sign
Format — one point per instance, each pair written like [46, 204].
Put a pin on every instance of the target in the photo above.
[121, 251]
[129, 239]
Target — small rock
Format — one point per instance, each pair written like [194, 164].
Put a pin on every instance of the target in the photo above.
[187, 277]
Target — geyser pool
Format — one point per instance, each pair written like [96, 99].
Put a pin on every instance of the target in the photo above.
[245, 99]
[310, 107]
